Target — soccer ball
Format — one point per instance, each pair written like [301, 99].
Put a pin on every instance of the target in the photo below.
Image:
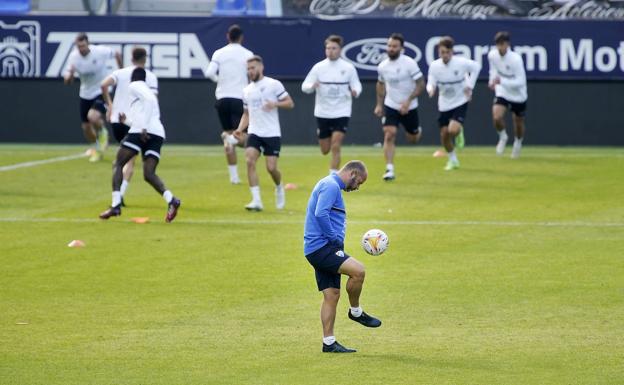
[375, 242]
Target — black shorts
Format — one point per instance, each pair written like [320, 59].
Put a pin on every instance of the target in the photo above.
[409, 121]
[326, 126]
[120, 131]
[457, 113]
[149, 148]
[230, 111]
[96, 103]
[326, 262]
[268, 146]
[517, 108]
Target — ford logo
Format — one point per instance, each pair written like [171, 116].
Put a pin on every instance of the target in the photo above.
[366, 54]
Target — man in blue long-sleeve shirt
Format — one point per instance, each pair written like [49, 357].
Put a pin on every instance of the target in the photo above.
[323, 239]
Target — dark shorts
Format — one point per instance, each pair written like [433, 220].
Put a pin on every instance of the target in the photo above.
[149, 148]
[86, 104]
[457, 113]
[120, 131]
[230, 111]
[410, 121]
[326, 262]
[268, 146]
[326, 126]
[517, 108]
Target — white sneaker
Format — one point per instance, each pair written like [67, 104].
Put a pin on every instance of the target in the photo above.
[389, 175]
[254, 206]
[280, 198]
[235, 180]
[515, 151]
[502, 142]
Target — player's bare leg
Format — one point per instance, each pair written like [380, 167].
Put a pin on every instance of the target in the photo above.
[498, 117]
[280, 193]
[413, 138]
[389, 147]
[251, 157]
[149, 174]
[447, 134]
[97, 122]
[518, 122]
[328, 310]
[355, 270]
[230, 156]
[123, 156]
[336, 144]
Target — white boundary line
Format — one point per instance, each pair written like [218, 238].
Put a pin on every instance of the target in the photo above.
[40, 162]
[357, 222]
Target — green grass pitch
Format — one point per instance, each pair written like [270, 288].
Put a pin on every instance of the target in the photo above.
[503, 272]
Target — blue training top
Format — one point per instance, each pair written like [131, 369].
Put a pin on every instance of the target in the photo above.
[326, 215]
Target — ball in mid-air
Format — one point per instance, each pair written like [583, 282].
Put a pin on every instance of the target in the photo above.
[375, 242]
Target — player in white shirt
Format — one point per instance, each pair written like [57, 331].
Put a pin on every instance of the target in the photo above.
[146, 135]
[399, 83]
[508, 81]
[455, 78]
[120, 105]
[228, 68]
[261, 99]
[336, 83]
[89, 62]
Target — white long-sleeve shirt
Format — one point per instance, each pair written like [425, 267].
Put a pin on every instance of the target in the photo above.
[144, 110]
[263, 123]
[510, 70]
[399, 77]
[121, 79]
[336, 78]
[451, 79]
[91, 69]
[228, 68]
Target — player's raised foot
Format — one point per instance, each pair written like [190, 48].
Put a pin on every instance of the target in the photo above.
[337, 348]
[515, 150]
[389, 175]
[502, 142]
[366, 320]
[172, 210]
[280, 198]
[103, 139]
[111, 212]
[96, 156]
[460, 141]
[254, 206]
[452, 164]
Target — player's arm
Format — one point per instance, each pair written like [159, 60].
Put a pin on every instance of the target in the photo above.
[311, 83]
[283, 101]
[380, 91]
[212, 70]
[104, 86]
[432, 83]
[118, 59]
[493, 78]
[324, 203]
[354, 84]
[472, 68]
[242, 125]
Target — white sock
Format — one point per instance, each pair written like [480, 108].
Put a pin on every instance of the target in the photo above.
[518, 141]
[116, 199]
[389, 167]
[255, 193]
[329, 340]
[333, 171]
[233, 171]
[279, 187]
[452, 156]
[168, 195]
[502, 133]
[356, 311]
[124, 187]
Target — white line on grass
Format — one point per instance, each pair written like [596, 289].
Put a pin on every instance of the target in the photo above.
[40, 162]
[358, 222]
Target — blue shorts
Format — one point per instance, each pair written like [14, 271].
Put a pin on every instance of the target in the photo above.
[326, 262]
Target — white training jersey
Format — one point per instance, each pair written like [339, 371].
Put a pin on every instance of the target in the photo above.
[121, 101]
[91, 68]
[451, 79]
[144, 110]
[510, 70]
[399, 77]
[263, 123]
[336, 79]
[228, 68]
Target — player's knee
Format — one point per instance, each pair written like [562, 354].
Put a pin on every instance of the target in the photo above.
[94, 116]
[271, 168]
[325, 150]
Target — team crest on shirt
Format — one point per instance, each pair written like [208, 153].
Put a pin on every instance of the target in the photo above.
[456, 72]
[342, 72]
[508, 68]
[340, 253]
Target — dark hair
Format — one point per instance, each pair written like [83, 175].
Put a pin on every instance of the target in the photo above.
[138, 74]
[139, 54]
[82, 37]
[501, 37]
[399, 37]
[235, 33]
[334, 39]
[446, 42]
[257, 58]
